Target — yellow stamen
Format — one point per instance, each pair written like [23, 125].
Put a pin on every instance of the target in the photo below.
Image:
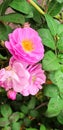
[27, 45]
[8, 68]
[34, 78]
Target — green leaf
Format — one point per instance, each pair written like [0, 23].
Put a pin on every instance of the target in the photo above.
[52, 77]
[52, 24]
[47, 38]
[30, 15]
[1, 6]
[2, 57]
[6, 110]
[14, 18]
[32, 103]
[60, 117]
[42, 127]
[14, 117]
[22, 115]
[50, 61]
[15, 126]
[34, 113]
[60, 42]
[60, 29]
[59, 80]
[60, 1]
[36, 16]
[21, 5]
[54, 7]
[4, 122]
[4, 31]
[6, 128]
[54, 107]
[27, 122]
[4, 6]
[24, 109]
[51, 90]
[19, 97]
[60, 58]
[31, 129]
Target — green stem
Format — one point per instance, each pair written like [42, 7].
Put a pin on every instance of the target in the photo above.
[36, 6]
[41, 105]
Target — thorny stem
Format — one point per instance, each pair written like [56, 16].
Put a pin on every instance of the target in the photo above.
[41, 105]
[36, 6]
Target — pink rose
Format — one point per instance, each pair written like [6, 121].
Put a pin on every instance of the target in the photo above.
[20, 78]
[25, 45]
[37, 78]
[14, 77]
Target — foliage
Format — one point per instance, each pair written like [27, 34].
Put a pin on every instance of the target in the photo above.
[44, 111]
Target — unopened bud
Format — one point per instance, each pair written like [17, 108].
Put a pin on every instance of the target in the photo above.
[11, 95]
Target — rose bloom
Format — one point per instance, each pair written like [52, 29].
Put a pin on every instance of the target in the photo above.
[21, 78]
[25, 45]
[37, 78]
[14, 77]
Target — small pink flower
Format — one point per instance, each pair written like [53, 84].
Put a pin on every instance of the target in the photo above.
[37, 78]
[11, 94]
[14, 77]
[25, 45]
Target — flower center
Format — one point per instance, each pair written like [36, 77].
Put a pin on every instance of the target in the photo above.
[8, 68]
[27, 45]
[34, 78]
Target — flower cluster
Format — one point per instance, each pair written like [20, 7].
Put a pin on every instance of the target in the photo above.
[24, 74]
